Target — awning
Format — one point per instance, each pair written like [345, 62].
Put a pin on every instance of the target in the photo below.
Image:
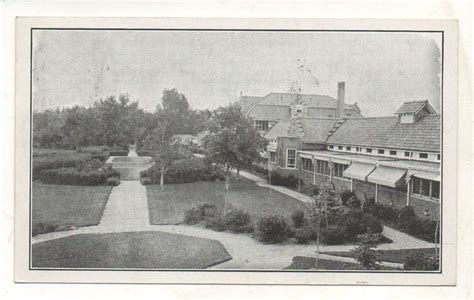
[305, 155]
[425, 175]
[387, 176]
[359, 171]
[340, 161]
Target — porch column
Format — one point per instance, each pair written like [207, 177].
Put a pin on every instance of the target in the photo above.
[408, 191]
[314, 169]
[352, 184]
[376, 193]
[331, 166]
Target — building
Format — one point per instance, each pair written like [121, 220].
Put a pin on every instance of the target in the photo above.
[395, 159]
[268, 110]
[182, 139]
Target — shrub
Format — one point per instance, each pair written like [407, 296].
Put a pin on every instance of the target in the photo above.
[145, 180]
[407, 219]
[298, 218]
[346, 195]
[216, 223]
[260, 169]
[93, 149]
[56, 161]
[42, 228]
[365, 252]
[145, 153]
[273, 229]
[113, 181]
[282, 180]
[200, 213]
[73, 176]
[185, 171]
[238, 221]
[421, 262]
[333, 235]
[353, 202]
[310, 190]
[118, 153]
[305, 234]
[356, 222]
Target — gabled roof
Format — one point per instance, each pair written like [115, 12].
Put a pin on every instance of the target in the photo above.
[311, 130]
[269, 112]
[247, 102]
[413, 107]
[388, 132]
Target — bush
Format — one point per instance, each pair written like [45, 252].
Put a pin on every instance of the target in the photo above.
[145, 153]
[42, 228]
[353, 202]
[356, 222]
[421, 262]
[113, 181]
[118, 153]
[365, 252]
[56, 161]
[310, 190]
[145, 180]
[260, 169]
[185, 171]
[333, 235]
[200, 213]
[298, 218]
[73, 176]
[282, 180]
[346, 195]
[407, 219]
[305, 234]
[238, 221]
[273, 229]
[94, 149]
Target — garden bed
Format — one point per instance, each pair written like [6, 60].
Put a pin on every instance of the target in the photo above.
[395, 256]
[307, 263]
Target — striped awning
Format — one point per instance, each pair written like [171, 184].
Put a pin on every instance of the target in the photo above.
[387, 176]
[359, 171]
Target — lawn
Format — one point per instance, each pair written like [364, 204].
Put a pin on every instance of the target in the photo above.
[307, 263]
[148, 250]
[67, 205]
[168, 207]
[396, 256]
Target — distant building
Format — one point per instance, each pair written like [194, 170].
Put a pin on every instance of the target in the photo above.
[395, 159]
[182, 139]
[268, 110]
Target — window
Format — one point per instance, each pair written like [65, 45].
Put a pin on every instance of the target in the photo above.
[329, 116]
[425, 187]
[358, 149]
[348, 115]
[290, 158]
[423, 155]
[368, 150]
[331, 147]
[407, 154]
[348, 148]
[339, 169]
[261, 125]
[381, 151]
[273, 157]
[392, 152]
[439, 156]
[339, 147]
[322, 167]
[308, 164]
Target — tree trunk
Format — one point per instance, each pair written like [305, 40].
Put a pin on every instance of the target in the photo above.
[238, 173]
[436, 238]
[316, 265]
[162, 178]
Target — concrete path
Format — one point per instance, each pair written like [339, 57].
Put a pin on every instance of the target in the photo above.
[127, 206]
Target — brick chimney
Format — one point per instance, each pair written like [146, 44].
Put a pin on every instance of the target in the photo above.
[341, 88]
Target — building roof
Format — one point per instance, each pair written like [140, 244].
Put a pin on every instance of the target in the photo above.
[316, 130]
[388, 132]
[247, 102]
[413, 107]
[282, 128]
[270, 112]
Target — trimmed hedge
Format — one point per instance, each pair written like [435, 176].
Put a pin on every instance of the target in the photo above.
[73, 176]
[57, 161]
[118, 153]
[282, 180]
[185, 171]
[236, 221]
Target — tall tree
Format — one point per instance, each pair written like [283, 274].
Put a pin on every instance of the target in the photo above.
[234, 142]
[175, 105]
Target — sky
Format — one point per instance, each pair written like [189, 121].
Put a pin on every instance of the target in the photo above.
[381, 69]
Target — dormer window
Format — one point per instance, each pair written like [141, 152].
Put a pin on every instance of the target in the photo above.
[410, 112]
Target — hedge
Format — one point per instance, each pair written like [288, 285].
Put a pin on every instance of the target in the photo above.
[58, 161]
[185, 171]
[282, 180]
[273, 229]
[118, 153]
[73, 176]
[144, 153]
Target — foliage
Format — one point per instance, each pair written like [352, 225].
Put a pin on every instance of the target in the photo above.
[282, 180]
[200, 213]
[118, 153]
[346, 195]
[310, 190]
[146, 180]
[113, 181]
[273, 229]
[421, 262]
[305, 234]
[356, 222]
[234, 142]
[365, 252]
[184, 171]
[144, 153]
[74, 176]
[354, 202]
[236, 221]
[59, 160]
[298, 218]
[333, 235]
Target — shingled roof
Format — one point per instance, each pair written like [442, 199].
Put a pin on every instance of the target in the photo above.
[247, 102]
[414, 106]
[311, 130]
[388, 132]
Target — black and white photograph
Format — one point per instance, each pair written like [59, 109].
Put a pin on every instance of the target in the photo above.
[237, 150]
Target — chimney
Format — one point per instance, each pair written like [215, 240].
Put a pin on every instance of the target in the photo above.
[341, 87]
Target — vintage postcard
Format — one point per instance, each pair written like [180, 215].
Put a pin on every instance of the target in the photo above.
[239, 151]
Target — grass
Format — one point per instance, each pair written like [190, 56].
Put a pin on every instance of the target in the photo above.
[396, 256]
[66, 205]
[168, 207]
[148, 250]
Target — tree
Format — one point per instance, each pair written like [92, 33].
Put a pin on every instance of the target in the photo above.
[175, 105]
[365, 252]
[234, 141]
